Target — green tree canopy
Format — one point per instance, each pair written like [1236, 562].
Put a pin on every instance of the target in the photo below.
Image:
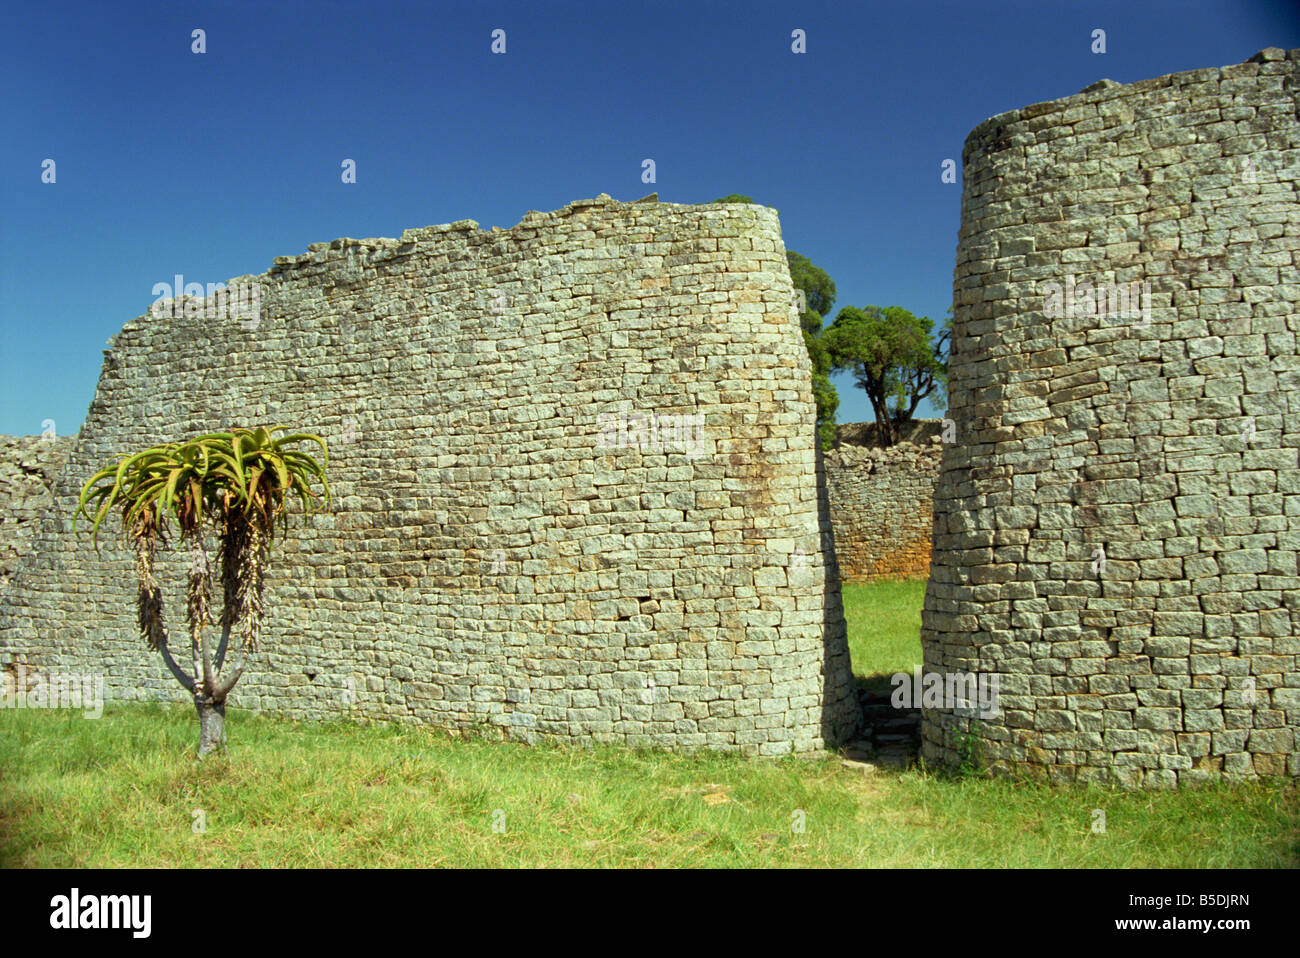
[893, 358]
[816, 285]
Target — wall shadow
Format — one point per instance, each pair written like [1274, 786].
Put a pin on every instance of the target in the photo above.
[841, 717]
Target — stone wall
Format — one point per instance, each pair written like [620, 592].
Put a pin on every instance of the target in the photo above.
[28, 465]
[882, 502]
[577, 490]
[1118, 522]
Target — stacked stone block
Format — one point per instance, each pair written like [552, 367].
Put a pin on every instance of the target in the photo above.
[28, 465]
[1117, 525]
[882, 504]
[577, 493]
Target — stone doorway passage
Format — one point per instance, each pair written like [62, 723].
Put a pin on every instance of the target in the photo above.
[890, 737]
[882, 501]
[883, 620]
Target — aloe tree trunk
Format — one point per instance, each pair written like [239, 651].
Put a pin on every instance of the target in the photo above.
[208, 690]
[212, 725]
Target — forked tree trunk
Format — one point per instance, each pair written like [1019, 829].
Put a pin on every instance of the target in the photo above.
[212, 725]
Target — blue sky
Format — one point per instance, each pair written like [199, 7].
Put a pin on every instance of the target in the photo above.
[211, 165]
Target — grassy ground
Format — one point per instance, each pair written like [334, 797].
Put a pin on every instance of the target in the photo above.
[884, 620]
[125, 791]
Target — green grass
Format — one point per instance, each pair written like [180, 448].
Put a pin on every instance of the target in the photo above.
[124, 790]
[884, 622]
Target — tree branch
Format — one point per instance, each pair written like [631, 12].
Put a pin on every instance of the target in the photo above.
[221, 646]
[224, 687]
[197, 665]
[175, 669]
[209, 674]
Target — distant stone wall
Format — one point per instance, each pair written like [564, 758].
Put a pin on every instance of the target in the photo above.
[576, 484]
[1118, 522]
[882, 503]
[28, 465]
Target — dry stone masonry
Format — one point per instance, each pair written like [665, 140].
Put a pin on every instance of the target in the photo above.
[577, 489]
[882, 503]
[28, 465]
[578, 493]
[1117, 525]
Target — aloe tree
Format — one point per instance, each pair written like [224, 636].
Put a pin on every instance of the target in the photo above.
[235, 484]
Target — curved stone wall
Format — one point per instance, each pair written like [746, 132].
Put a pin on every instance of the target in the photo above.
[1117, 525]
[577, 490]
